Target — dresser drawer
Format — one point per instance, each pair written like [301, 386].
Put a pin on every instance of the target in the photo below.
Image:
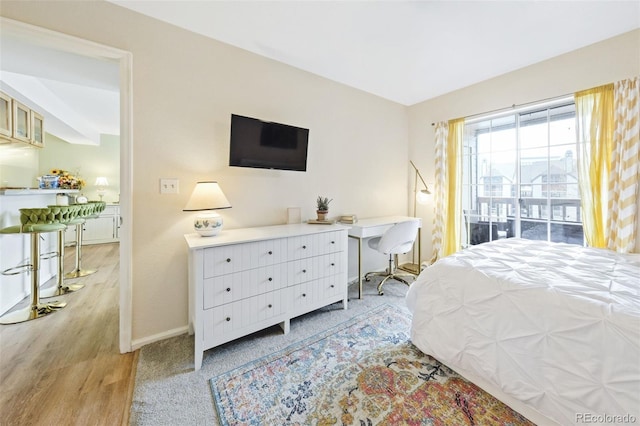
[228, 288]
[238, 257]
[226, 320]
[315, 267]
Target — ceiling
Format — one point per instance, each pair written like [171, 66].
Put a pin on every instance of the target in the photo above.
[404, 51]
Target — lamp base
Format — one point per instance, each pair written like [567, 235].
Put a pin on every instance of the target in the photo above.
[208, 224]
[412, 268]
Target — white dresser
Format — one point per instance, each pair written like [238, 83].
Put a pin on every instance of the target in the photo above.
[244, 280]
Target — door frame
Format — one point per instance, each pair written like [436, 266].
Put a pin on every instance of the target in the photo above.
[64, 42]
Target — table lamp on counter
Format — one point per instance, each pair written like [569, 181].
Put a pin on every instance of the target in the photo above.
[207, 197]
[101, 183]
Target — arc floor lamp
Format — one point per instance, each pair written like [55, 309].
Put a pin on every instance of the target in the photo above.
[419, 197]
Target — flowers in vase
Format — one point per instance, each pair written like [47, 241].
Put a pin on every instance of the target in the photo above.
[68, 181]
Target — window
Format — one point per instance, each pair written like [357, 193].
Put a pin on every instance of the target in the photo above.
[520, 177]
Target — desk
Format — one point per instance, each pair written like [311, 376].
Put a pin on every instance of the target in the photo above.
[375, 227]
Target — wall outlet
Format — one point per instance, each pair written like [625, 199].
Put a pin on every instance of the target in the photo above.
[169, 186]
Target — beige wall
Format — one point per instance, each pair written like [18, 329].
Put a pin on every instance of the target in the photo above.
[606, 62]
[185, 87]
[86, 161]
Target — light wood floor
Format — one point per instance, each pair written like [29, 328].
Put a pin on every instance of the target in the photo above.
[65, 368]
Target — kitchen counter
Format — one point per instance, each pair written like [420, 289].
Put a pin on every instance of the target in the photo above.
[36, 191]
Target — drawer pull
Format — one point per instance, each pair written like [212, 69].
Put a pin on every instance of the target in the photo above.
[304, 271]
[228, 259]
[228, 319]
[228, 289]
[304, 294]
[304, 247]
[333, 242]
[270, 279]
[270, 252]
[332, 286]
[270, 305]
[333, 264]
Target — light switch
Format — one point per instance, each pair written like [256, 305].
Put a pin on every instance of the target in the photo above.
[169, 186]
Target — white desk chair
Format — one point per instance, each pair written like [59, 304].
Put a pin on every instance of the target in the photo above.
[396, 240]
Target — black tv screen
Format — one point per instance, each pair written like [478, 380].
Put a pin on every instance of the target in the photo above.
[267, 145]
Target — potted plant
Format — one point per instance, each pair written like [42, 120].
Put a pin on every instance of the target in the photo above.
[322, 207]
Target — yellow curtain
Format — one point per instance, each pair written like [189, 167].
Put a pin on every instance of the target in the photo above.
[453, 173]
[594, 113]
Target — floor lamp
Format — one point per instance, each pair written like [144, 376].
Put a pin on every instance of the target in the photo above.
[422, 197]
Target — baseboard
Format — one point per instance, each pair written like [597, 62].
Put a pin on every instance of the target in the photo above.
[138, 343]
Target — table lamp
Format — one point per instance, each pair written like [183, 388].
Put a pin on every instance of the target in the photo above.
[206, 197]
[101, 183]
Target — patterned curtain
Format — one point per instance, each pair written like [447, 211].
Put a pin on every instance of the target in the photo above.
[442, 130]
[448, 194]
[608, 127]
[594, 115]
[624, 176]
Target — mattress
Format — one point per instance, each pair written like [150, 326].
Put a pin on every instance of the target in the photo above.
[554, 327]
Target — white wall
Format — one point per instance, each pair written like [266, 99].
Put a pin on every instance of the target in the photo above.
[605, 62]
[18, 165]
[185, 87]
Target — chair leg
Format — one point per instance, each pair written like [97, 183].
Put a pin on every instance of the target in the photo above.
[60, 287]
[35, 309]
[78, 271]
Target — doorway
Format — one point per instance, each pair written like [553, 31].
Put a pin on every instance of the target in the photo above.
[55, 40]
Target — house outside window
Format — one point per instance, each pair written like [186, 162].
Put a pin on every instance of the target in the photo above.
[520, 176]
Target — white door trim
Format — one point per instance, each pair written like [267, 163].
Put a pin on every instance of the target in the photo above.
[57, 40]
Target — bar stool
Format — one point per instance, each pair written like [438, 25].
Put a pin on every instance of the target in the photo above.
[68, 218]
[85, 211]
[33, 221]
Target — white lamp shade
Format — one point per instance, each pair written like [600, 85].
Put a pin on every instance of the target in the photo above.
[422, 197]
[207, 196]
[102, 181]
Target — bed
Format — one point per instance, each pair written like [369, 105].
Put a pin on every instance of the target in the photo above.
[551, 329]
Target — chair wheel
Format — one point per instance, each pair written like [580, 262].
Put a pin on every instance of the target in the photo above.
[367, 279]
[381, 293]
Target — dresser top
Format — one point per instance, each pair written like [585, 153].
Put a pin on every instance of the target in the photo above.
[244, 235]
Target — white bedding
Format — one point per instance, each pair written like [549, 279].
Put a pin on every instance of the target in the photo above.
[555, 327]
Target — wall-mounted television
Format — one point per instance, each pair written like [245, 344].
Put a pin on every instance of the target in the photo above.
[267, 145]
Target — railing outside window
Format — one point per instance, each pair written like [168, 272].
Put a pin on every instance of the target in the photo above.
[520, 177]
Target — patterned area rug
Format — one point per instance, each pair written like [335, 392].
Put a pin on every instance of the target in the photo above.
[362, 372]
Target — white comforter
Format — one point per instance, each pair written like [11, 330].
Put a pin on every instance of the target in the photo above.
[555, 326]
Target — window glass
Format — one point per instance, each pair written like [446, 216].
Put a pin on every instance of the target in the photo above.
[520, 177]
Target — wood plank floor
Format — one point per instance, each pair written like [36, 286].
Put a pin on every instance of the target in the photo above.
[65, 368]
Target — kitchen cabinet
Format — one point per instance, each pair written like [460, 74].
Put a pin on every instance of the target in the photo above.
[19, 123]
[37, 129]
[101, 229]
[5, 117]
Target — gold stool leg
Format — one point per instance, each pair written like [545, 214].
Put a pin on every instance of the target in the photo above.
[36, 309]
[78, 271]
[60, 287]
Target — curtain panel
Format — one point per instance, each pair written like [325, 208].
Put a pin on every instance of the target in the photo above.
[439, 186]
[624, 176]
[448, 193]
[608, 129]
[594, 116]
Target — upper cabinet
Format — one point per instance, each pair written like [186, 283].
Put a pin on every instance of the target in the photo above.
[5, 117]
[20, 123]
[37, 129]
